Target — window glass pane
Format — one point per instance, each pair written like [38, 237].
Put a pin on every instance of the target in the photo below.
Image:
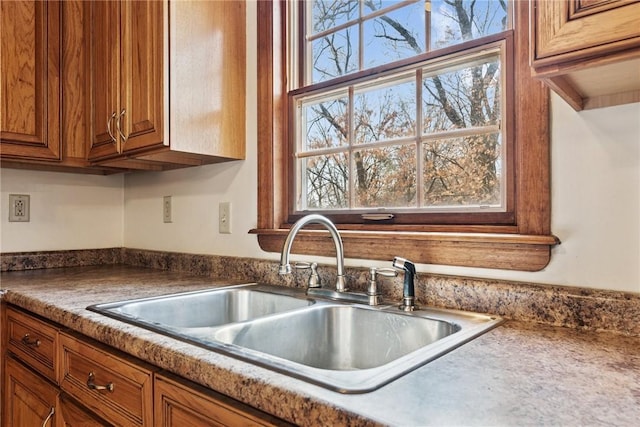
[462, 98]
[325, 182]
[327, 14]
[463, 171]
[385, 177]
[325, 123]
[335, 54]
[456, 21]
[397, 35]
[385, 113]
[373, 6]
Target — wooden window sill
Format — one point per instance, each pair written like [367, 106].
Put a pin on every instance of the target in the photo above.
[496, 250]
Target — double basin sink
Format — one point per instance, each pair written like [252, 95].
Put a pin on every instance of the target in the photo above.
[349, 348]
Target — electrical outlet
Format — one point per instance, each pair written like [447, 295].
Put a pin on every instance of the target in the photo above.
[19, 208]
[166, 209]
[224, 219]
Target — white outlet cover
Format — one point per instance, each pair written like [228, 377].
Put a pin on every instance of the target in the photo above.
[19, 208]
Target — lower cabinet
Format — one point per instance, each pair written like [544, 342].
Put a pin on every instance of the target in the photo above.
[28, 399]
[90, 384]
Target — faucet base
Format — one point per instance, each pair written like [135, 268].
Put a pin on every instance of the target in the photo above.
[342, 296]
[408, 304]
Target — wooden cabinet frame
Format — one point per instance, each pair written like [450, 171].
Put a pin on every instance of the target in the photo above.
[587, 51]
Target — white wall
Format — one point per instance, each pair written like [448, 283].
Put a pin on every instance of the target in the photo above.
[595, 196]
[68, 211]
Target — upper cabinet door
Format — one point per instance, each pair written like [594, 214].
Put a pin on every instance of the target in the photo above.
[577, 29]
[141, 94]
[127, 84]
[30, 75]
[104, 48]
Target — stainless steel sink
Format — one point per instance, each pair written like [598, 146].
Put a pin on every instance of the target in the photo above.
[349, 348]
[338, 337]
[212, 307]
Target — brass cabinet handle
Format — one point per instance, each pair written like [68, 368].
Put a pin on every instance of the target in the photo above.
[92, 386]
[46, 420]
[109, 120]
[29, 342]
[120, 116]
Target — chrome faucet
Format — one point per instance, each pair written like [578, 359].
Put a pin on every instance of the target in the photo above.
[408, 291]
[285, 266]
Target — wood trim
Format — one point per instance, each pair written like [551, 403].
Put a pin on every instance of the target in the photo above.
[508, 252]
[533, 186]
[272, 117]
[525, 246]
[487, 238]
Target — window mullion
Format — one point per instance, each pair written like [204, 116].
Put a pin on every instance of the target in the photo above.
[427, 25]
[418, 142]
[300, 187]
[360, 37]
[351, 133]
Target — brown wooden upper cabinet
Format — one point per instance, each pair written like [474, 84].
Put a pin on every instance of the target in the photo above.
[44, 71]
[167, 83]
[127, 84]
[588, 51]
[30, 75]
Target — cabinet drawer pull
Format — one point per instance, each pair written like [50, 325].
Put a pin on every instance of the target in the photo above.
[92, 386]
[46, 420]
[29, 342]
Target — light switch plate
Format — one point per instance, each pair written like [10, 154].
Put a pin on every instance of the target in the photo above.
[166, 209]
[224, 218]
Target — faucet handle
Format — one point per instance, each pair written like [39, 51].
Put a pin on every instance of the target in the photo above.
[383, 271]
[314, 279]
[372, 290]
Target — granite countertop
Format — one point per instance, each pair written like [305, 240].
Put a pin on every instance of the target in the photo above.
[519, 373]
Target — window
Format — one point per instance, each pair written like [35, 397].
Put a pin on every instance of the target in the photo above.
[423, 134]
[402, 130]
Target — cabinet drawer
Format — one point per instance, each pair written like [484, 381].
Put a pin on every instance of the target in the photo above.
[181, 403]
[116, 388]
[33, 341]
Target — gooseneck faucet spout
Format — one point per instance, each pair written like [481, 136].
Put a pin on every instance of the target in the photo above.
[285, 266]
